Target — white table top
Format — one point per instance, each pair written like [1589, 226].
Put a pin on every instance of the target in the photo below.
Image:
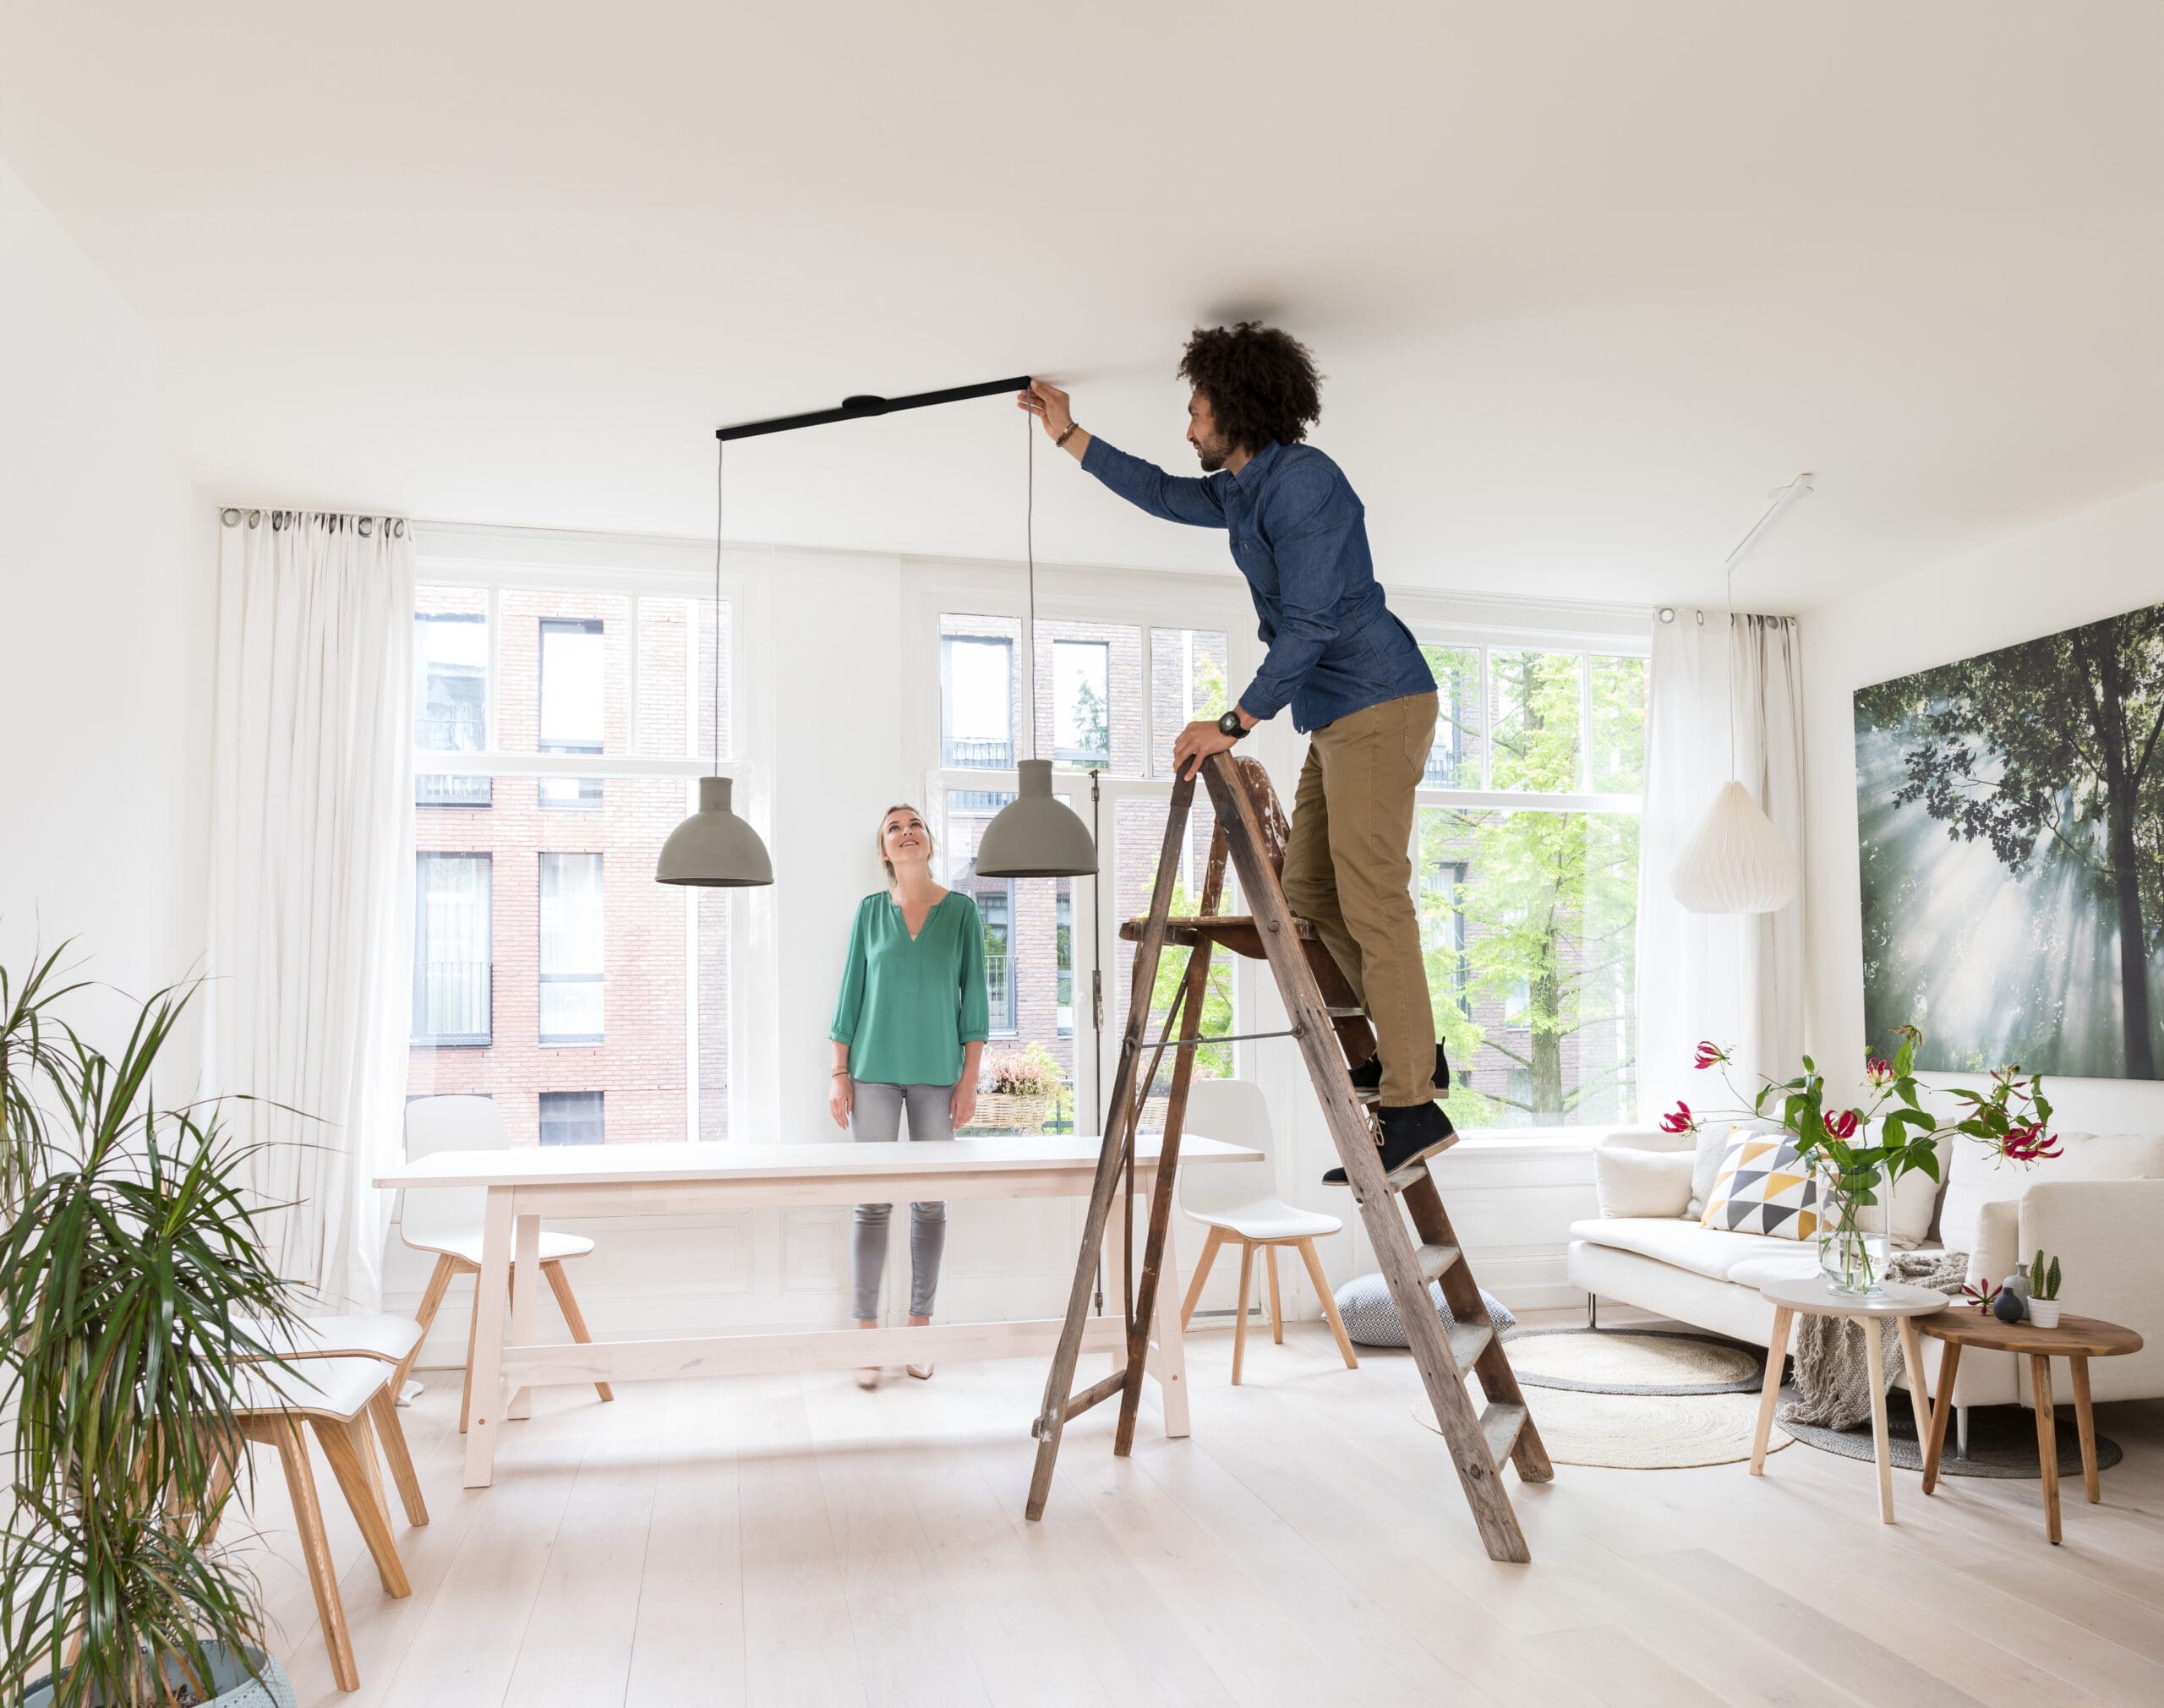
[1893, 1299]
[604, 1165]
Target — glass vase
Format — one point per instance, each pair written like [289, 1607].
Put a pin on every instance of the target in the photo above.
[1854, 1240]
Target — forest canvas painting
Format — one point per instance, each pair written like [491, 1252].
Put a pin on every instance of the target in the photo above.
[2010, 811]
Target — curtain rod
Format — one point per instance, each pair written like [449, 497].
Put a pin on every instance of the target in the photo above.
[863, 405]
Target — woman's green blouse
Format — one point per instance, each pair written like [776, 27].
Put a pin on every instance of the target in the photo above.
[908, 1006]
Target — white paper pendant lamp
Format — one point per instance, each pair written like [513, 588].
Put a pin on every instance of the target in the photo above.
[1036, 835]
[1735, 862]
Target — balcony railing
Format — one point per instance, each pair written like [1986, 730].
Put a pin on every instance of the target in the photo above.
[978, 755]
[436, 789]
[451, 1004]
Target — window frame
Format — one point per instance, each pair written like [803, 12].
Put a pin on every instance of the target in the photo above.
[498, 560]
[459, 1040]
[542, 976]
[600, 1117]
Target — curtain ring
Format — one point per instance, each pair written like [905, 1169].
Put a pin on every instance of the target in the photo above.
[1702, 619]
[1667, 614]
[365, 526]
[278, 521]
[254, 516]
[229, 516]
[398, 528]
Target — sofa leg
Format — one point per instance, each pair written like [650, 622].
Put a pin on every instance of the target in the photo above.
[1960, 1432]
[1593, 1310]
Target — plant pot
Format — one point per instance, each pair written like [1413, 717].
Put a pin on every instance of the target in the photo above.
[269, 1688]
[1001, 1112]
[1854, 1243]
[2044, 1313]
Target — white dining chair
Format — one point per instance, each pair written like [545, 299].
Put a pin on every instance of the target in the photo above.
[1238, 1201]
[448, 1220]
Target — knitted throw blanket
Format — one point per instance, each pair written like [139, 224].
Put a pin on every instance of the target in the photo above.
[1832, 1372]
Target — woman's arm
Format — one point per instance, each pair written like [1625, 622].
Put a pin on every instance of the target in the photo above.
[975, 1017]
[841, 1092]
[849, 1008]
[965, 1106]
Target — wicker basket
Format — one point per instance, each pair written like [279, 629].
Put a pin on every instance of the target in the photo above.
[1000, 1111]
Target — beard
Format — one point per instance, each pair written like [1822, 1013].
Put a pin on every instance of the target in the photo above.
[1211, 454]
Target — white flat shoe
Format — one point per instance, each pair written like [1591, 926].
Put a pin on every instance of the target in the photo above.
[922, 1371]
[868, 1377]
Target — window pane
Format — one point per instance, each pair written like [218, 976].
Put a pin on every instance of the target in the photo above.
[565, 664]
[1618, 725]
[1454, 761]
[676, 708]
[661, 954]
[1189, 680]
[1022, 924]
[1089, 695]
[1528, 918]
[980, 701]
[451, 689]
[571, 964]
[451, 930]
[571, 1117]
[1536, 710]
[1081, 701]
[1139, 827]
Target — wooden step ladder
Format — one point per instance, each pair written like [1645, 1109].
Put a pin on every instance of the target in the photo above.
[1332, 1032]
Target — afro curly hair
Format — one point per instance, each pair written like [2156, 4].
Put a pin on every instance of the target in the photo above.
[1261, 383]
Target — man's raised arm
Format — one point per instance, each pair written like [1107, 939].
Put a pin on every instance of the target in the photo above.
[1143, 484]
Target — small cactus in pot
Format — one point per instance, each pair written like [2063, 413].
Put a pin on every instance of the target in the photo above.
[2043, 1291]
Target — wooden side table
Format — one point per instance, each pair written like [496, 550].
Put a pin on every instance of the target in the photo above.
[2076, 1340]
[1814, 1298]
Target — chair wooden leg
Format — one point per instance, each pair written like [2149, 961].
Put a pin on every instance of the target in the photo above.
[1277, 1310]
[559, 1283]
[1211, 1241]
[348, 1448]
[391, 1434]
[284, 1432]
[431, 1302]
[1313, 1259]
[1240, 1321]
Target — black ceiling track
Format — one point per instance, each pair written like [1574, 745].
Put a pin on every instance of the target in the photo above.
[863, 406]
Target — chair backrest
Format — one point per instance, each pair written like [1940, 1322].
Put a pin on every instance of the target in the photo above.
[449, 1123]
[1234, 1110]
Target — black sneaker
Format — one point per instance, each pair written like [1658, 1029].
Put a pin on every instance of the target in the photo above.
[1408, 1133]
[1369, 1075]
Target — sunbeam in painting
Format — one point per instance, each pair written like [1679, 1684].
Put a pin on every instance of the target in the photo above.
[2010, 809]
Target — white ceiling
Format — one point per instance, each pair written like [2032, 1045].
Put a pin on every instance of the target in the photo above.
[1585, 279]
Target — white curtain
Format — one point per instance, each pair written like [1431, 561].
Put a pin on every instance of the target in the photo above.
[311, 867]
[1734, 979]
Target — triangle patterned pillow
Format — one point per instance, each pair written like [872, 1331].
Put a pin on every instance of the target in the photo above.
[1763, 1186]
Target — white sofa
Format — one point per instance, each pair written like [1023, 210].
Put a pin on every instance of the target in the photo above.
[2100, 1207]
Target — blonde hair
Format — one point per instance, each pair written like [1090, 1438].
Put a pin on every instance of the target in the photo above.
[879, 837]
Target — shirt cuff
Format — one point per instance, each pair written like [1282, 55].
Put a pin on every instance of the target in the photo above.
[1259, 703]
[1090, 450]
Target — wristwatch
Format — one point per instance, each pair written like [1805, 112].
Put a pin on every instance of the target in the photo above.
[1231, 725]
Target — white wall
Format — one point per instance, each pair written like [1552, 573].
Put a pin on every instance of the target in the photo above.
[2083, 567]
[107, 588]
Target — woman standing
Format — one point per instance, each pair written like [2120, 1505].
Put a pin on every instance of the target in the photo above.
[908, 1027]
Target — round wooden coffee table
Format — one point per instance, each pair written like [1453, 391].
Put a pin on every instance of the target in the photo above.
[2076, 1340]
[1905, 1305]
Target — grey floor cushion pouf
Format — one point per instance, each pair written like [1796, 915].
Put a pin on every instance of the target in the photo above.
[1371, 1315]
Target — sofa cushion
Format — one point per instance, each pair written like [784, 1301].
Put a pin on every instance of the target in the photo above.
[1765, 1187]
[1915, 1199]
[1708, 1252]
[1642, 1182]
[1977, 1178]
[1800, 1263]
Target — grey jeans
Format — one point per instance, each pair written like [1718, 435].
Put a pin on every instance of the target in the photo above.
[876, 1118]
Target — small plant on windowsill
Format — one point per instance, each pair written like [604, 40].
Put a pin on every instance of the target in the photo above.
[2044, 1292]
[1015, 1088]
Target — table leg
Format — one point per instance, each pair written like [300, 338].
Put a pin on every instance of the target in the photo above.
[1770, 1393]
[1948, 1362]
[1912, 1355]
[527, 1271]
[1168, 1355]
[2047, 1440]
[2085, 1421]
[486, 1370]
[1875, 1360]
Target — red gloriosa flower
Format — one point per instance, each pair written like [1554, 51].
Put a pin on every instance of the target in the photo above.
[1710, 1054]
[1878, 1070]
[1841, 1124]
[1677, 1119]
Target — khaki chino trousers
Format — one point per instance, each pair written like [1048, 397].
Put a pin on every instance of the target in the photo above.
[1348, 869]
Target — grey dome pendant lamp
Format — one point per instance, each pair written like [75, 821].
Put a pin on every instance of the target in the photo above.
[1035, 835]
[713, 848]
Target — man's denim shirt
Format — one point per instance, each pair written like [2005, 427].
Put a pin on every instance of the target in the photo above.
[1300, 537]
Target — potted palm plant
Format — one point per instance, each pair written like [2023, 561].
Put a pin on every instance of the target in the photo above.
[129, 1262]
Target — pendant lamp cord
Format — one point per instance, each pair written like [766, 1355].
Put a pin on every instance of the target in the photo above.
[1730, 671]
[719, 449]
[720, 452]
[1029, 545]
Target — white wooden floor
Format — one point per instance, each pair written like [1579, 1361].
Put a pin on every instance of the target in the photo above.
[764, 1541]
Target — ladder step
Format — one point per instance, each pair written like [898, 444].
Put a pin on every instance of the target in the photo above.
[1076, 1403]
[1500, 1423]
[1434, 1260]
[1468, 1340]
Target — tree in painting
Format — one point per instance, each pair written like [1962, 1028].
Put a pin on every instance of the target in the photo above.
[2041, 760]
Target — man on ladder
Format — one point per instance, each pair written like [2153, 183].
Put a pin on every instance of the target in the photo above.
[1352, 672]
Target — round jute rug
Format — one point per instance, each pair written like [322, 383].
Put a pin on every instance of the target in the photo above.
[1636, 1400]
